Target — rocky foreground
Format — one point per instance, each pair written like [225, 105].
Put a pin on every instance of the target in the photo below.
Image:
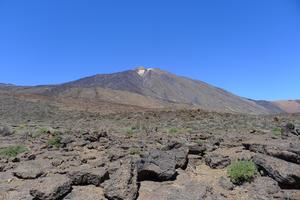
[173, 155]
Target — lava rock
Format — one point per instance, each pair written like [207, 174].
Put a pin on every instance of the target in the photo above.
[216, 161]
[278, 150]
[123, 183]
[285, 173]
[65, 140]
[28, 170]
[187, 190]
[95, 136]
[86, 192]
[161, 165]
[264, 188]
[288, 129]
[94, 176]
[226, 183]
[5, 131]
[196, 149]
[51, 188]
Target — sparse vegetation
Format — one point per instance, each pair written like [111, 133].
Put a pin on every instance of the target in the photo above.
[134, 151]
[173, 130]
[13, 151]
[277, 131]
[242, 171]
[23, 130]
[200, 142]
[189, 130]
[55, 141]
[129, 132]
[39, 132]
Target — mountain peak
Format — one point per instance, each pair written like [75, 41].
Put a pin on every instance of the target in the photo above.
[158, 88]
[143, 70]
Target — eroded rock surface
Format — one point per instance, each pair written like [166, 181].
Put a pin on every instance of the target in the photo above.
[182, 188]
[86, 193]
[28, 170]
[161, 165]
[285, 173]
[123, 182]
[51, 188]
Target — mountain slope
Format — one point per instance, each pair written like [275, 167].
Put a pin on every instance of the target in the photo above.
[271, 106]
[289, 106]
[145, 88]
[156, 88]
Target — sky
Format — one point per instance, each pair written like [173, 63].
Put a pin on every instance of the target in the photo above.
[250, 47]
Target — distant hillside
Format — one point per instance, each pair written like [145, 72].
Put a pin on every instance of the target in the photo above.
[271, 106]
[289, 106]
[5, 85]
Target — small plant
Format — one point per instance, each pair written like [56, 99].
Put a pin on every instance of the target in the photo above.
[189, 130]
[277, 131]
[13, 151]
[200, 142]
[55, 141]
[173, 131]
[130, 132]
[39, 132]
[242, 171]
[134, 151]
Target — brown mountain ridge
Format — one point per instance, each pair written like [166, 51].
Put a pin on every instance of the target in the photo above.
[150, 88]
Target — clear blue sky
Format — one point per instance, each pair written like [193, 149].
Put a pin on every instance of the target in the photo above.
[249, 47]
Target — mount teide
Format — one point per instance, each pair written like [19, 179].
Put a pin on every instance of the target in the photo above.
[154, 88]
[146, 88]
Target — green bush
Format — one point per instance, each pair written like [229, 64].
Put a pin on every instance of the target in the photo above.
[277, 131]
[200, 142]
[173, 131]
[55, 141]
[13, 151]
[39, 132]
[189, 130]
[129, 132]
[242, 171]
[134, 151]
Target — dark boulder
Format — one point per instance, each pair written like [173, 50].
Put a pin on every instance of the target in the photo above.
[189, 190]
[288, 129]
[172, 145]
[278, 150]
[86, 193]
[5, 131]
[28, 170]
[196, 149]
[216, 161]
[226, 184]
[264, 188]
[65, 140]
[285, 173]
[160, 165]
[122, 183]
[94, 136]
[94, 176]
[51, 188]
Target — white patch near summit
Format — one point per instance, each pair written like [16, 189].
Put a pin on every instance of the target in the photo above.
[141, 71]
